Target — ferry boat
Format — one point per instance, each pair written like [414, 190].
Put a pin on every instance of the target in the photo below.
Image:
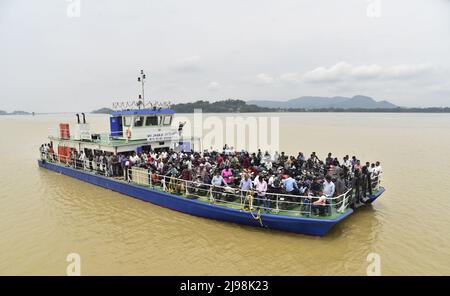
[136, 127]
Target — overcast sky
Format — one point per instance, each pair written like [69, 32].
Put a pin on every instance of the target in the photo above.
[60, 55]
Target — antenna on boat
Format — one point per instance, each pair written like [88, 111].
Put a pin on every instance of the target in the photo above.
[141, 79]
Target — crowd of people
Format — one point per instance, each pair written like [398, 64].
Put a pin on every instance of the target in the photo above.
[263, 174]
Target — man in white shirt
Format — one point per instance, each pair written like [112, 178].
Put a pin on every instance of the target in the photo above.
[261, 189]
[328, 187]
[164, 155]
[371, 168]
[266, 159]
[81, 160]
[347, 162]
[134, 158]
[328, 191]
[255, 180]
[378, 169]
[275, 157]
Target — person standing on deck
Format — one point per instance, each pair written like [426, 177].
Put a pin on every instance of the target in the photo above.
[108, 161]
[81, 160]
[126, 166]
[245, 186]
[372, 170]
[300, 160]
[186, 174]
[246, 183]
[276, 157]
[52, 152]
[329, 160]
[366, 183]
[314, 157]
[340, 185]
[356, 185]
[41, 151]
[328, 187]
[180, 129]
[378, 168]
[218, 180]
[115, 165]
[227, 175]
[261, 189]
[347, 163]
[316, 187]
[266, 160]
[134, 158]
[290, 186]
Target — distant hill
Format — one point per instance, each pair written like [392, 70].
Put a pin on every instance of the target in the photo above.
[231, 106]
[20, 113]
[14, 113]
[103, 111]
[335, 104]
[226, 106]
[356, 102]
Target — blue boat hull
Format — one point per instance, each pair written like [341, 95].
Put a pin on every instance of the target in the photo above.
[377, 194]
[309, 226]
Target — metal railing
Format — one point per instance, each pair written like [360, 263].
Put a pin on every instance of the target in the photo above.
[127, 105]
[98, 137]
[270, 202]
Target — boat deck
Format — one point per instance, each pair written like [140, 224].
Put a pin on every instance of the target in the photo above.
[294, 211]
[293, 206]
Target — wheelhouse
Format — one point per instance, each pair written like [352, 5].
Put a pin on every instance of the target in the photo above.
[140, 124]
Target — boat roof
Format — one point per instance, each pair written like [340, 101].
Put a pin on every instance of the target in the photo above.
[142, 112]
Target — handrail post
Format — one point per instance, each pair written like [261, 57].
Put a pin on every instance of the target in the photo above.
[277, 203]
[310, 207]
[211, 197]
[241, 195]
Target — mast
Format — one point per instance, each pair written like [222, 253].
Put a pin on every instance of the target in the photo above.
[141, 79]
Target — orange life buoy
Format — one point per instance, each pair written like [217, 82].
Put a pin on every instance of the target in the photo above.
[129, 133]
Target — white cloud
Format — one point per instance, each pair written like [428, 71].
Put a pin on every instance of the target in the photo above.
[366, 71]
[344, 71]
[331, 74]
[263, 78]
[214, 86]
[291, 77]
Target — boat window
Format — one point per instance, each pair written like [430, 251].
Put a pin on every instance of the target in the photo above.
[139, 121]
[167, 120]
[127, 120]
[151, 120]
